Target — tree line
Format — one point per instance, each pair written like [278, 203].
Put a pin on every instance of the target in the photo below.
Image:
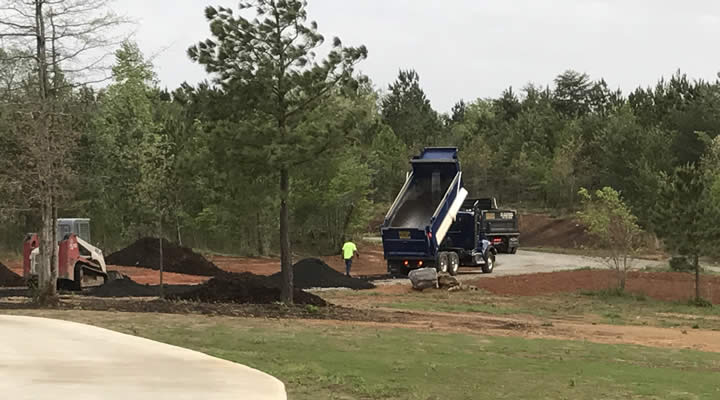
[281, 146]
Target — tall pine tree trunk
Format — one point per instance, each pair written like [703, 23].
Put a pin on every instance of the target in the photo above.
[697, 279]
[177, 226]
[46, 285]
[285, 255]
[259, 233]
[43, 266]
[52, 289]
[160, 234]
[346, 225]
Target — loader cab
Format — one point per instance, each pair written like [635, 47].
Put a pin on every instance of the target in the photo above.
[78, 226]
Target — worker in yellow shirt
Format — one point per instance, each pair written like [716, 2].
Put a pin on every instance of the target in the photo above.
[349, 250]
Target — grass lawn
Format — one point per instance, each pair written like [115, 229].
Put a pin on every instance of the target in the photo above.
[326, 361]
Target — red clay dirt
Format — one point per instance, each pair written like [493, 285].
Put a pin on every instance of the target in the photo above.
[669, 286]
[150, 277]
[14, 265]
[257, 266]
[539, 230]
[371, 262]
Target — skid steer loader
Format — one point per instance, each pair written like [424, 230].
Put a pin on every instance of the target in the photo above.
[80, 264]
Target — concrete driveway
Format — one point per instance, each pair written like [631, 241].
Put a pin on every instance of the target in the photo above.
[51, 359]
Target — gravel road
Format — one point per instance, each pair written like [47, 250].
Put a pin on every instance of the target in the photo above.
[529, 262]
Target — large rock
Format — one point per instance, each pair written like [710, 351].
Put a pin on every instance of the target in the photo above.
[424, 278]
[446, 281]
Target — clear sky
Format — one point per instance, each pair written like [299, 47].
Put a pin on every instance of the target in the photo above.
[465, 49]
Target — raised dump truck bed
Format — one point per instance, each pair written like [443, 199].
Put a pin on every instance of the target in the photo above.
[419, 219]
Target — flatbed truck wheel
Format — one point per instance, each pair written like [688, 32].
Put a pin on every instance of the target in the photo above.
[443, 262]
[490, 266]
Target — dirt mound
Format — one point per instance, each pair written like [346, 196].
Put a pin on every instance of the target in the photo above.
[314, 273]
[123, 288]
[537, 230]
[146, 253]
[10, 279]
[244, 288]
[129, 288]
[669, 286]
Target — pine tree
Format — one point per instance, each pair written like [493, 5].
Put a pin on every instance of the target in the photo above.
[269, 51]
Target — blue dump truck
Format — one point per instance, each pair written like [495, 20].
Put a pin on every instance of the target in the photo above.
[427, 225]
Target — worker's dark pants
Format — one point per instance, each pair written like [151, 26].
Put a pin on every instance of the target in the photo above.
[348, 265]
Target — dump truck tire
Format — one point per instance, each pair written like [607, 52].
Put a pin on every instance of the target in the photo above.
[443, 262]
[454, 263]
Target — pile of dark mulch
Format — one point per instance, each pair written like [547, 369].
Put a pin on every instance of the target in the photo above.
[314, 273]
[145, 253]
[10, 279]
[129, 288]
[273, 311]
[244, 288]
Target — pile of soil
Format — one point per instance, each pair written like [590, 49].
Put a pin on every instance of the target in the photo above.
[123, 288]
[275, 311]
[9, 278]
[244, 288]
[314, 273]
[537, 230]
[146, 253]
[128, 288]
[668, 286]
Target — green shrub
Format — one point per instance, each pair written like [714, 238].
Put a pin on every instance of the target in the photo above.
[614, 293]
[703, 303]
[681, 264]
